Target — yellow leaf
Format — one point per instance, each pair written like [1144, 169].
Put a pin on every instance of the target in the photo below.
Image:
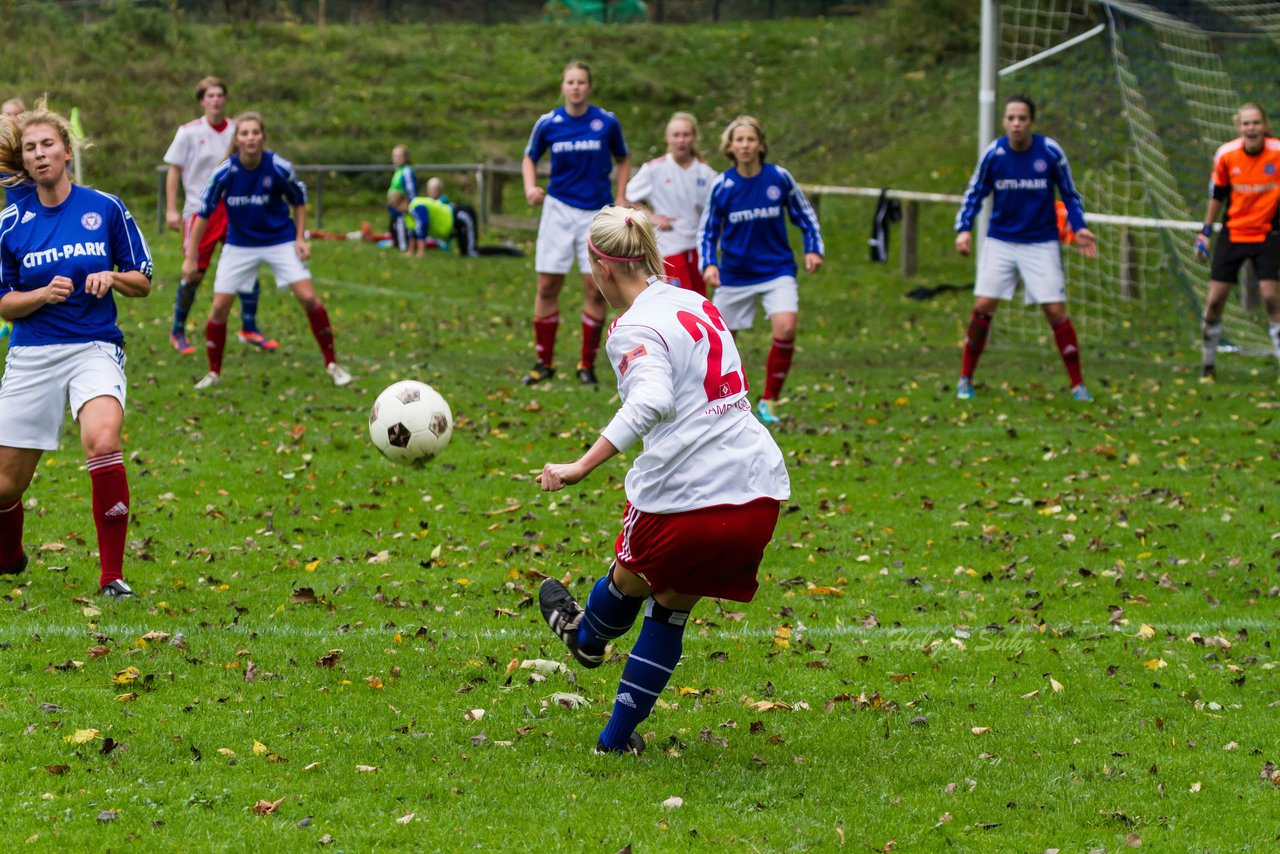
[1146, 632]
[374, 682]
[228, 752]
[1055, 685]
[127, 698]
[311, 565]
[81, 736]
[1031, 695]
[313, 766]
[1155, 664]
[126, 676]
[259, 748]
[980, 730]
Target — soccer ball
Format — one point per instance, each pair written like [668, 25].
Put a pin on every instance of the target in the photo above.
[410, 422]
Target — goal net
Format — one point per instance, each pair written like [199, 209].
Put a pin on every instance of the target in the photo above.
[1141, 94]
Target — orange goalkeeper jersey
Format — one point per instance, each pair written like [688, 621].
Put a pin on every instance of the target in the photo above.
[1250, 184]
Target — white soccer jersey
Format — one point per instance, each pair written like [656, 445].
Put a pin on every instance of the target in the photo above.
[197, 149]
[674, 191]
[684, 391]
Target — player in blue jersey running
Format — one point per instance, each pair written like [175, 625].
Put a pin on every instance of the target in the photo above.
[1020, 170]
[746, 255]
[64, 254]
[585, 141]
[258, 188]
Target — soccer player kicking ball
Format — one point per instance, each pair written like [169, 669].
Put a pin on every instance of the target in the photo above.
[1022, 169]
[703, 495]
[1245, 181]
[64, 254]
[258, 188]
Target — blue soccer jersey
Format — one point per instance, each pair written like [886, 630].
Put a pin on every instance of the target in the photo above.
[258, 200]
[582, 152]
[1023, 184]
[88, 233]
[743, 230]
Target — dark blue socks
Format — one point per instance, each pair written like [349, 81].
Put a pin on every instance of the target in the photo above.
[649, 667]
[609, 614]
[249, 308]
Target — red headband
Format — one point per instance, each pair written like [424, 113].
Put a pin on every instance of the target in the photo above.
[611, 257]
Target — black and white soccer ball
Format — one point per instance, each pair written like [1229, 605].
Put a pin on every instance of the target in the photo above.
[410, 422]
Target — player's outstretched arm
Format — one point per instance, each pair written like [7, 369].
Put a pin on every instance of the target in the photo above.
[556, 476]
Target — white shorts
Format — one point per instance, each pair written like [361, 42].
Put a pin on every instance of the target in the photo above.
[238, 267]
[39, 381]
[737, 304]
[1040, 265]
[562, 238]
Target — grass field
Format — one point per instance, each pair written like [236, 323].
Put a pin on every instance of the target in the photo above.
[1015, 624]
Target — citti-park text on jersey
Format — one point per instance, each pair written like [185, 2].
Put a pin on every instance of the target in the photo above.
[771, 212]
[67, 250]
[258, 199]
[576, 145]
[1022, 184]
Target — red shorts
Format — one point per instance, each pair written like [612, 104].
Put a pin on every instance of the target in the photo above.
[682, 269]
[713, 551]
[214, 233]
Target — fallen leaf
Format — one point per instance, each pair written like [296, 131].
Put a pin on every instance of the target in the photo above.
[381, 557]
[98, 651]
[1055, 685]
[405, 819]
[259, 749]
[672, 803]
[53, 547]
[329, 659]
[980, 730]
[569, 701]
[126, 676]
[1155, 663]
[367, 769]
[265, 807]
[81, 736]
[474, 714]
[127, 698]
[1146, 632]
[1133, 840]
[108, 815]
[57, 769]
[155, 637]
[1195, 787]
[227, 752]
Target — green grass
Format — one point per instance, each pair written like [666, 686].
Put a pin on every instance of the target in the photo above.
[978, 551]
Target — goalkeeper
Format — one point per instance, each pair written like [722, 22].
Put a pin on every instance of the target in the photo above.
[433, 222]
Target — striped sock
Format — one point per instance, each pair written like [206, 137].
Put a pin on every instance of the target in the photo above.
[609, 614]
[110, 512]
[649, 667]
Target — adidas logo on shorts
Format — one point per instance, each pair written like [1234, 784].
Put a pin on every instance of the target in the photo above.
[118, 509]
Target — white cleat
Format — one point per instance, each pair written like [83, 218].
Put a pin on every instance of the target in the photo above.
[208, 380]
[338, 374]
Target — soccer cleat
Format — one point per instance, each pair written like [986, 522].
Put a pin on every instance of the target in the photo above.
[208, 380]
[117, 590]
[538, 373]
[1080, 393]
[964, 389]
[635, 746]
[259, 340]
[764, 411]
[340, 375]
[1208, 374]
[18, 568]
[563, 614]
[181, 344]
[587, 375]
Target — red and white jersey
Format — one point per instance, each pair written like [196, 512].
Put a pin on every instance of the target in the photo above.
[675, 191]
[197, 149]
[684, 391]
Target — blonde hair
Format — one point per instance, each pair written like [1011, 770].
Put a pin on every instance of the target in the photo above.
[11, 131]
[1266, 122]
[682, 116]
[626, 233]
[245, 117]
[396, 197]
[726, 138]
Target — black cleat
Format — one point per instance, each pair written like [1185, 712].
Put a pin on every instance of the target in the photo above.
[17, 568]
[563, 614]
[538, 373]
[635, 746]
[586, 375]
[117, 590]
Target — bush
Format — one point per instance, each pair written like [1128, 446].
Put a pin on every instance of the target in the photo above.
[926, 32]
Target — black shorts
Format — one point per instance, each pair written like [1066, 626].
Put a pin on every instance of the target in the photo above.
[1228, 257]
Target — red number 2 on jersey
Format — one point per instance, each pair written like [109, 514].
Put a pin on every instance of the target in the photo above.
[717, 383]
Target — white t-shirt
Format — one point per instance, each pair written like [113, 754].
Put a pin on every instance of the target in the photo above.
[197, 149]
[675, 191]
[701, 448]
